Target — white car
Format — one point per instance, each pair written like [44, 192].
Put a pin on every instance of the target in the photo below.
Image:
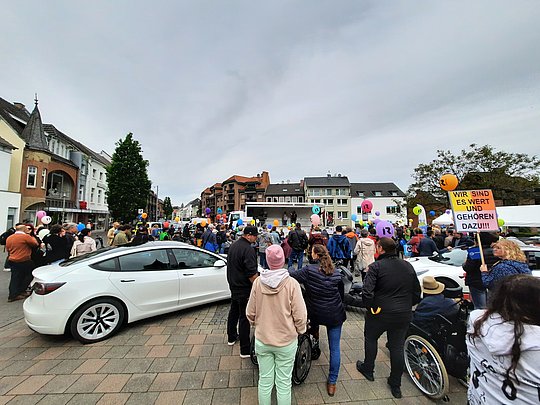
[93, 295]
[445, 268]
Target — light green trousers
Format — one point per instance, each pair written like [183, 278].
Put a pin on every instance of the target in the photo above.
[275, 365]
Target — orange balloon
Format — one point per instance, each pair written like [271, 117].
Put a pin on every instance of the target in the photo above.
[448, 182]
[276, 222]
[203, 223]
[144, 215]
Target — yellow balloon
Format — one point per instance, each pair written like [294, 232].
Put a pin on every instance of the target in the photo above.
[194, 221]
[177, 219]
[252, 222]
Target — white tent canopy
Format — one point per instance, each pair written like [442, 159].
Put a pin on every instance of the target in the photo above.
[520, 215]
[444, 220]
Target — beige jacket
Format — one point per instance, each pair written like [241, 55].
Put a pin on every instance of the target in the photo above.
[278, 313]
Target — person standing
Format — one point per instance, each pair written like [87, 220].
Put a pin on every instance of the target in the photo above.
[20, 246]
[55, 244]
[70, 235]
[299, 242]
[121, 237]
[111, 232]
[276, 299]
[338, 246]
[325, 292]
[503, 344]
[391, 288]
[284, 219]
[241, 272]
[83, 244]
[263, 241]
[365, 253]
[293, 217]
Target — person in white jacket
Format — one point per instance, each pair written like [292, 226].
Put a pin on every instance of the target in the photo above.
[364, 252]
[83, 243]
[504, 345]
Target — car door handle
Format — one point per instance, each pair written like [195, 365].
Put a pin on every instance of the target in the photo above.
[127, 281]
[187, 274]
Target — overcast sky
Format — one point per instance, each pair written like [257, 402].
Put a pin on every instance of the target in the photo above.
[368, 89]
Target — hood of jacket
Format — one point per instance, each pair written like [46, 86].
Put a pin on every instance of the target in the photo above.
[339, 237]
[272, 280]
[498, 335]
[350, 235]
[366, 241]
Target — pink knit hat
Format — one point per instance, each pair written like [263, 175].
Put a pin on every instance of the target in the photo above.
[275, 257]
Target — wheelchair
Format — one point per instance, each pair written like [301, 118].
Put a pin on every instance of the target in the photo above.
[431, 355]
[302, 360]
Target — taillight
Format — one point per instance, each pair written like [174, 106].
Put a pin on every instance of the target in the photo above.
[46, 288]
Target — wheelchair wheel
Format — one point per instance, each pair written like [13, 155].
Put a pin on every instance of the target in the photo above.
[425, 367]
[302, 361]
[252, 354]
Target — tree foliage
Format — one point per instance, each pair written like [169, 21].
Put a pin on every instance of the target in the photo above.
[167, 208]
[512, 176]
[127, 178]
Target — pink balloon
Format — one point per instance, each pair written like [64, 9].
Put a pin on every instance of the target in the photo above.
[367, 206]
[40, 214]
[315, 220]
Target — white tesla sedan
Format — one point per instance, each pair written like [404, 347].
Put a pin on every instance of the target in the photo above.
[93, 295]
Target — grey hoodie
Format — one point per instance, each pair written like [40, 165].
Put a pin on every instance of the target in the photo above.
[491, 356]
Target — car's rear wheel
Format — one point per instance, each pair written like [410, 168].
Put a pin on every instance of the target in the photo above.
[97, 320]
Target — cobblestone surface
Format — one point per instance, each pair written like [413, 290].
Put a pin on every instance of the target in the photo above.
[179, 358]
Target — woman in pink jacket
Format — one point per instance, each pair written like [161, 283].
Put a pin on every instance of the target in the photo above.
[277, 309]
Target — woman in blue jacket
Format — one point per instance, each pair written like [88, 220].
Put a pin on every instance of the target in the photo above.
[324, 298]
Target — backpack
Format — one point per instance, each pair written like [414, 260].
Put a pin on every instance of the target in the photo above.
[5, 235]
[221, 238]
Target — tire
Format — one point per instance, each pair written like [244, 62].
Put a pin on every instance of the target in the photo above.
[97, 320]
[302, 360]
[425, 367]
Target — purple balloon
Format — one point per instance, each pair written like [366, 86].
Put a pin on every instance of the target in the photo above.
[385, 229]
[377, 213]
[448, 212]
[377, 220]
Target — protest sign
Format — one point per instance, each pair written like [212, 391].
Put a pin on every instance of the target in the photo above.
[474, 210]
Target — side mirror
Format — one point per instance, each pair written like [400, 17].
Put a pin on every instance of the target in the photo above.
[220, 263]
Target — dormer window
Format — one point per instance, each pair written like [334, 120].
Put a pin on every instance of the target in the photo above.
[377, 193]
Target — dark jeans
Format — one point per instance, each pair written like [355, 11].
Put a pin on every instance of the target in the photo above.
[296, 254]
[396, 332]
[262, 260]
[21, 277]
[237, 316]
[478, 297]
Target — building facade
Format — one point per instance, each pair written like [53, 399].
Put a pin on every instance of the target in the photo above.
[334, 192]
[387, 199]
[10, 202]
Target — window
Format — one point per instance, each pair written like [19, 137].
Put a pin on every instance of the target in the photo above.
[343, 214]
[106, 265]
[193, 259]
[328, 191]
[314, 192]
[393, 209]
[276, 199]
[300, 199]
[360, 193]
[341, 201]
[142, 261]
[281, 199]
[259, 196]
[377, 193]
[393, 193]
[359, 209]
[44, 178]
[94, 171]
[31, 177]
[295, 199]
[328, 201]
[100, 176]
[268, 199]
[92, 191]
[243, 196]
[81, 193]
[341, 191]
[99, 196]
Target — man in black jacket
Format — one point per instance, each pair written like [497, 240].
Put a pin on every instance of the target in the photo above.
[390, 290]
[299, 242]
[241, 272]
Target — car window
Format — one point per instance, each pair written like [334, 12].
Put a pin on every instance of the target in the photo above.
[455, 257]
[105, 265]
[86, 256]
[533, 259]
[192, 259]
[144, 261]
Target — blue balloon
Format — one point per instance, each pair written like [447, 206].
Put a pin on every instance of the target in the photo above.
[240, 222]
[269, 226]
[316, 209]
[354, 217]
[219, 210]
[432, 213]
[80, 227]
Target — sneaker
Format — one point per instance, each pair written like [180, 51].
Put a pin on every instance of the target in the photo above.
[233, 342]
[6, 269]
[395, 390]
[367, 374]
[244, 356]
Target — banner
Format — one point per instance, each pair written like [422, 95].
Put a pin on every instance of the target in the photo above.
[474, 210]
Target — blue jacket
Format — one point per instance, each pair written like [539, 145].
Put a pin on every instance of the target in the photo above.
[338, 247]
[503, 269]
[324, 295]
[431, 306]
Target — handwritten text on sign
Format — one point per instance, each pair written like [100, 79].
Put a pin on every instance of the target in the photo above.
[474, 210]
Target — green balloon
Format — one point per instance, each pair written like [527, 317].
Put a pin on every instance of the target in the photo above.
[500, 221]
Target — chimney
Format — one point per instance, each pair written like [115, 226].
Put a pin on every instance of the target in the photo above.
[328, 175]
[20, 106]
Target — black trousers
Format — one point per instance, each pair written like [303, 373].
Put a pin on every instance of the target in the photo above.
[396, 331]
[21, 277]
[237, 316]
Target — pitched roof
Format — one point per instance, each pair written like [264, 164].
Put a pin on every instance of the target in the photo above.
[327, 181]
[6, 144]
[33, 133]
[285, 189]
[13, 115]
[51, 129]
[368, 190]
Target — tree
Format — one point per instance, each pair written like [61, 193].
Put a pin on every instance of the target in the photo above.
[513, 177]
[167, 208]
[127, 179]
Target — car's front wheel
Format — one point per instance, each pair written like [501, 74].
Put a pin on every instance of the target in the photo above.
[97, 320]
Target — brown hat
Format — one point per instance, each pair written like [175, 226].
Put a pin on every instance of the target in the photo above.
[431, 286]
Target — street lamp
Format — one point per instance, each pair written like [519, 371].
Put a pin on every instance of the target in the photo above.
[64, 195]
